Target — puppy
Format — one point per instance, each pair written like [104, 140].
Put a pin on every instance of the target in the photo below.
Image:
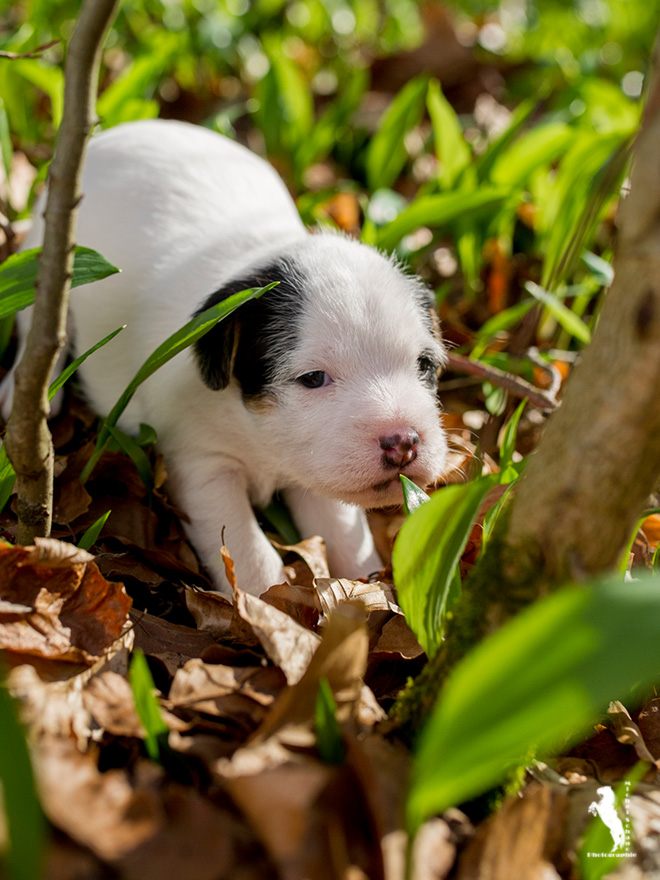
[324, 388]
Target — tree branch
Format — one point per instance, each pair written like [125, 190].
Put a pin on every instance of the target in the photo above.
[28, 440]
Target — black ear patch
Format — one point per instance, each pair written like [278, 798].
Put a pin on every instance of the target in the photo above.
[249, 343]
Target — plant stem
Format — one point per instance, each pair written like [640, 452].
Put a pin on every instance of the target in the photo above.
[29, 443]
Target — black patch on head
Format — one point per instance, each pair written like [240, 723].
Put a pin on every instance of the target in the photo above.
[249, 342]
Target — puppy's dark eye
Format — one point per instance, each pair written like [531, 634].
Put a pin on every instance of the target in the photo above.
[314, 379]
[428, 370]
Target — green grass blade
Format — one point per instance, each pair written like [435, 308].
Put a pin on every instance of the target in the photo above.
[451, 148]
[426, 554]
[328, 732]
[386, 154]
[561, 313]
[91, 535]
[66, 374]
[508, 444]
[18, 275]
[176, 343]
[146, 704]
[538, 682]
[136, 454]
[7, 478]
[26, 826]
[440, 211]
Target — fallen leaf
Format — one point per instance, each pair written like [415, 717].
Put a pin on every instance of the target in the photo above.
[627, 732]
[73, 614]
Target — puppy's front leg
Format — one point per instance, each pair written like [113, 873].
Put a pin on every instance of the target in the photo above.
[215, 497]
[350, 546]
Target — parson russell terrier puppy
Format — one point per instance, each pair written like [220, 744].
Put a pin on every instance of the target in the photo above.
[324, 388]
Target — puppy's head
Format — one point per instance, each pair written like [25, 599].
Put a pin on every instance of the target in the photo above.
[339, 365]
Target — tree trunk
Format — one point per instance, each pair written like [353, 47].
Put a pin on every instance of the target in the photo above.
[599, 458]
[29, 444]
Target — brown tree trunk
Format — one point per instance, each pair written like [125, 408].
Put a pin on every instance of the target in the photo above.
[599, 458]
[29, 444]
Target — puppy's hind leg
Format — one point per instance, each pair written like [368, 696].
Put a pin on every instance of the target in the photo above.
[349, 543]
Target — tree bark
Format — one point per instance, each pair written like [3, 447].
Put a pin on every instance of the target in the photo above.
[29, 443]
[599, 458]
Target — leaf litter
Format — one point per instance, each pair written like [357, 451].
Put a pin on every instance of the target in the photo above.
[241, 790]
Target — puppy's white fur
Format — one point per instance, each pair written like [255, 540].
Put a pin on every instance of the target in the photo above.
[184, 212]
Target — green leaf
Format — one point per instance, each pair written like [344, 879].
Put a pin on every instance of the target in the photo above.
[413, 496]
[136, 454]
[146, 704]
[7, 478]
[439, 211]
[539, 681]
[426, 554]
[562, 314]
[328, 732]
[66, 374]
[173, 345]
[280, 519]
[26, 826]
[497, 324]
[451, 148]
[6, 149]
[508, 444]
[534, 149]
[386, 154]
[499, 146]
[90, 536]
[48, 79]
[18, 275]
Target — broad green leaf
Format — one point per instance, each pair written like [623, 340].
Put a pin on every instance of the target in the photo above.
[386, 154]
[562, 314]
[7, 478]
[413, 496]
[146, 704]
[328, 732]
[26, 826]
[534, 149]
[426, 554]
[173, 345]
[18, 275]
[451, 148]
[136, 454]
[537, 683]
[440, 211]
[90, 536]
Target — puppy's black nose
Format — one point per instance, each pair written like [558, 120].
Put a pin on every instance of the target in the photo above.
[399, 449]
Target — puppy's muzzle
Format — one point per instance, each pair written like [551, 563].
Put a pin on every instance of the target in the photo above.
[399, 449]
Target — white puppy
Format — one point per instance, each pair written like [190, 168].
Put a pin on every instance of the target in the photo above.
[325, 388]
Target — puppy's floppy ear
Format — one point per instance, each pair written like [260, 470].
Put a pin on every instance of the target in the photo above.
[216, 351]
[242, 345]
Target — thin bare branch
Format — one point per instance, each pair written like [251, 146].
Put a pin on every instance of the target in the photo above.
[28, 440]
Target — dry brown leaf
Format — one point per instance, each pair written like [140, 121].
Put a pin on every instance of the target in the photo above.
[73, 614]
[242, 694]
[521, 840]
[627, 732]
[108, 698]
[312, 552]
[167, 642]
[213, 612]
[375, 597]
[287, 644]
[396, 637]
[341, 659]
[648, 721]
[299, 601]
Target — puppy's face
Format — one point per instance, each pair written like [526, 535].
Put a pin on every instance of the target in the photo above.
[339, 364]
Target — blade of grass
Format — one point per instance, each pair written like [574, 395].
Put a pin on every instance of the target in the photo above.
[146, 704]
[90, 536]
[173, 345]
